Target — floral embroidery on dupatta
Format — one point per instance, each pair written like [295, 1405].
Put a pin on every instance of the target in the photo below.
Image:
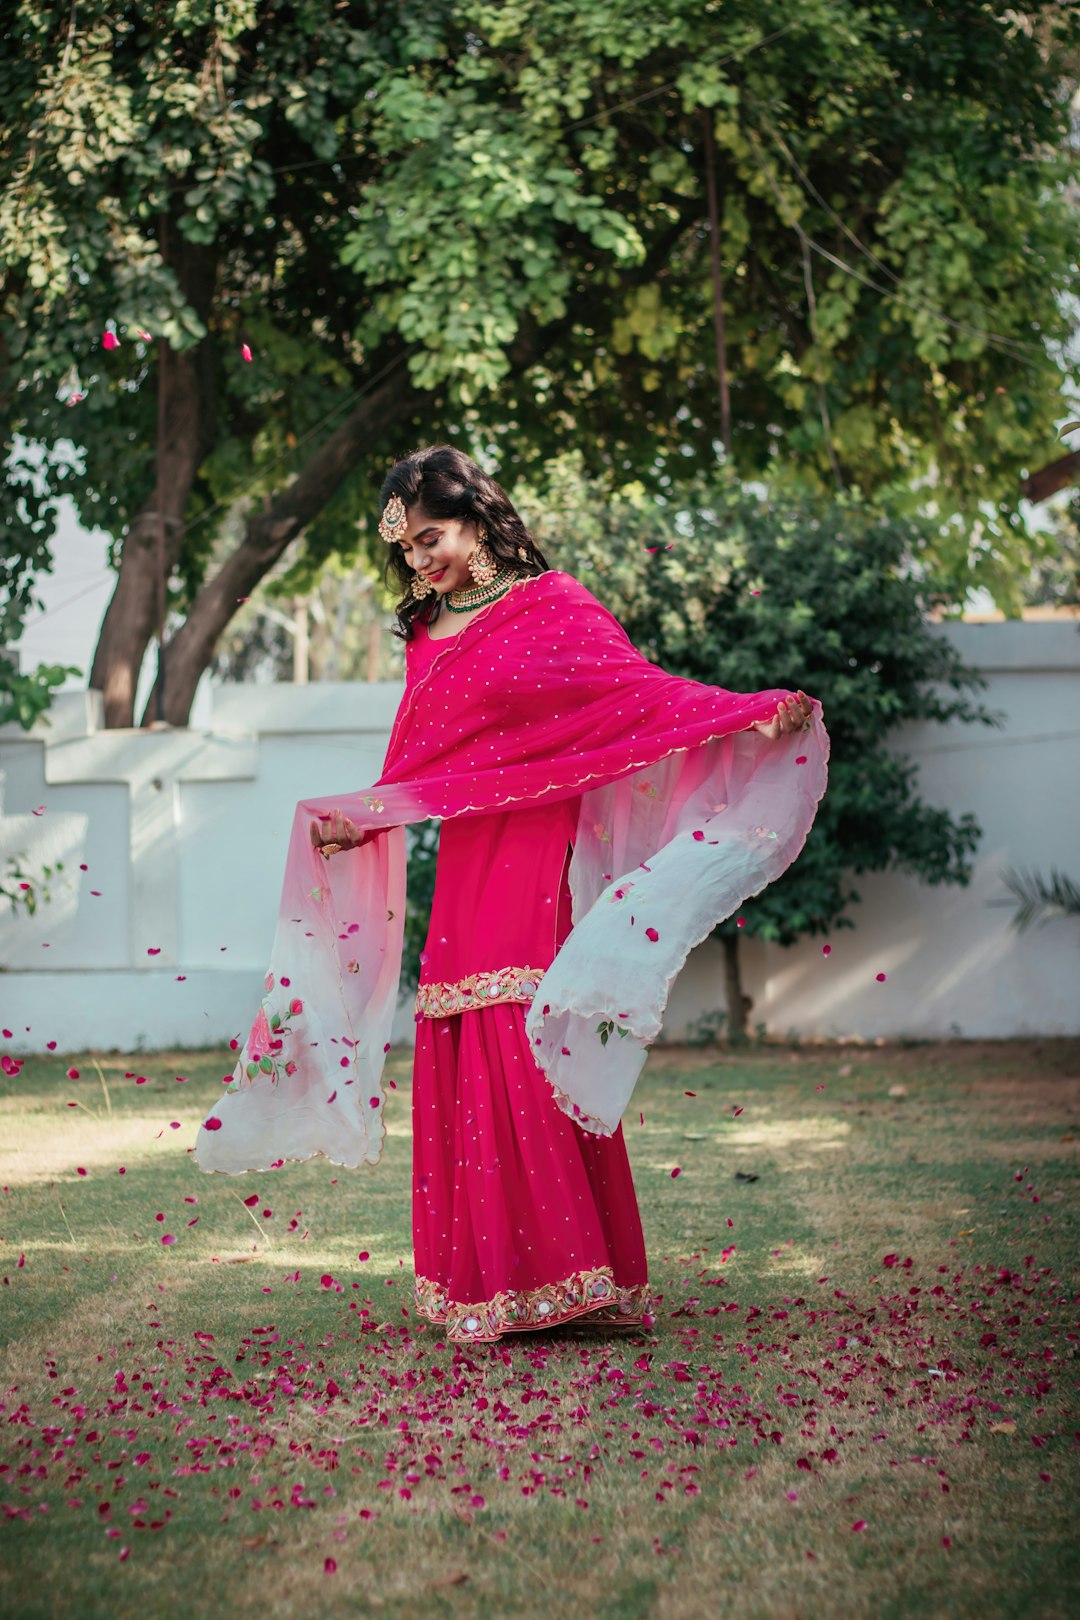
[263, 1050]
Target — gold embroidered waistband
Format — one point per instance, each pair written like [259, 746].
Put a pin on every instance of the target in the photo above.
[484, 989]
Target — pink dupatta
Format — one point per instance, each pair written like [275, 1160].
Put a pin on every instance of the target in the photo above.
[684, 814]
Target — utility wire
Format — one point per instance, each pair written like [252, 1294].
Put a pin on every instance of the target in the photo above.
[1009, 345]
[807, 183]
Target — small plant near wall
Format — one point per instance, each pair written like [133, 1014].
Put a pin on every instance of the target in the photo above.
[1038, 899]
[20, 888]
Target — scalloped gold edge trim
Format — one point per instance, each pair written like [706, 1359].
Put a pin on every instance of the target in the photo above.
[518, 1310]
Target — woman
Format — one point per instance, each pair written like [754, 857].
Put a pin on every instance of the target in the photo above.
[599, 817]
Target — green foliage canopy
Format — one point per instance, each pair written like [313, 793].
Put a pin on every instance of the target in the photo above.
[503, 206]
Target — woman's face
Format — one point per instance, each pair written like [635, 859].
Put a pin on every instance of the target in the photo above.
[439, 549]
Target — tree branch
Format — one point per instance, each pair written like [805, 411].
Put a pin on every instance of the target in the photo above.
[1039, 486]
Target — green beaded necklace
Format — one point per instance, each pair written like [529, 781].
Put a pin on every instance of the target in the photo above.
[481, 595]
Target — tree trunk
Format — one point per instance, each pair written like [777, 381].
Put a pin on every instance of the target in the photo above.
[267, 535]
[738, 1004]
[718, 285]
[185, 436]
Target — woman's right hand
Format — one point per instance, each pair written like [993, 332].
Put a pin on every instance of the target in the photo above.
[338, 830]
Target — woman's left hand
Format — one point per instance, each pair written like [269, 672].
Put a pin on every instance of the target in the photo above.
[794, 714]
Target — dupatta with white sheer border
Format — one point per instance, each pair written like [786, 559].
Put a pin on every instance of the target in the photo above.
[685, 813]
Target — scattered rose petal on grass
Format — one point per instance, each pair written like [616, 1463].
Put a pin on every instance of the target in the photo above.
[109, 340]
[676, 1172]
[167, 1238]
[860, 1524]
[363, 1255]
[826, 950]
[245, 351]
[740, 922]
[73, 1074]
[689, 1093]
[330, 1565]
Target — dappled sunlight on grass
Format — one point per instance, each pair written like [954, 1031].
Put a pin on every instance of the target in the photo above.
[854, 1399]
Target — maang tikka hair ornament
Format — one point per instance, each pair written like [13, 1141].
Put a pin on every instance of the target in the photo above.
[394, 521]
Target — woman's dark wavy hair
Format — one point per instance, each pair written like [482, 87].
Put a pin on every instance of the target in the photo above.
[448, 484]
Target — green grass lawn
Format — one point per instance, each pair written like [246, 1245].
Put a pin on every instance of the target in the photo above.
[856, 1399]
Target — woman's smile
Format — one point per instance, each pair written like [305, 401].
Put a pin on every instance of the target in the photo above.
[437, 574]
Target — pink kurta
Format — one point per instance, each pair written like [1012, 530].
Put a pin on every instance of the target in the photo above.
[521, 1219]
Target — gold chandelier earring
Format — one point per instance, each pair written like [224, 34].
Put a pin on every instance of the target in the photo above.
[421, 587]
[481, 564]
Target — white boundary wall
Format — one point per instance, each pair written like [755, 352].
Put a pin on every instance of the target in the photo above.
[184, 835]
